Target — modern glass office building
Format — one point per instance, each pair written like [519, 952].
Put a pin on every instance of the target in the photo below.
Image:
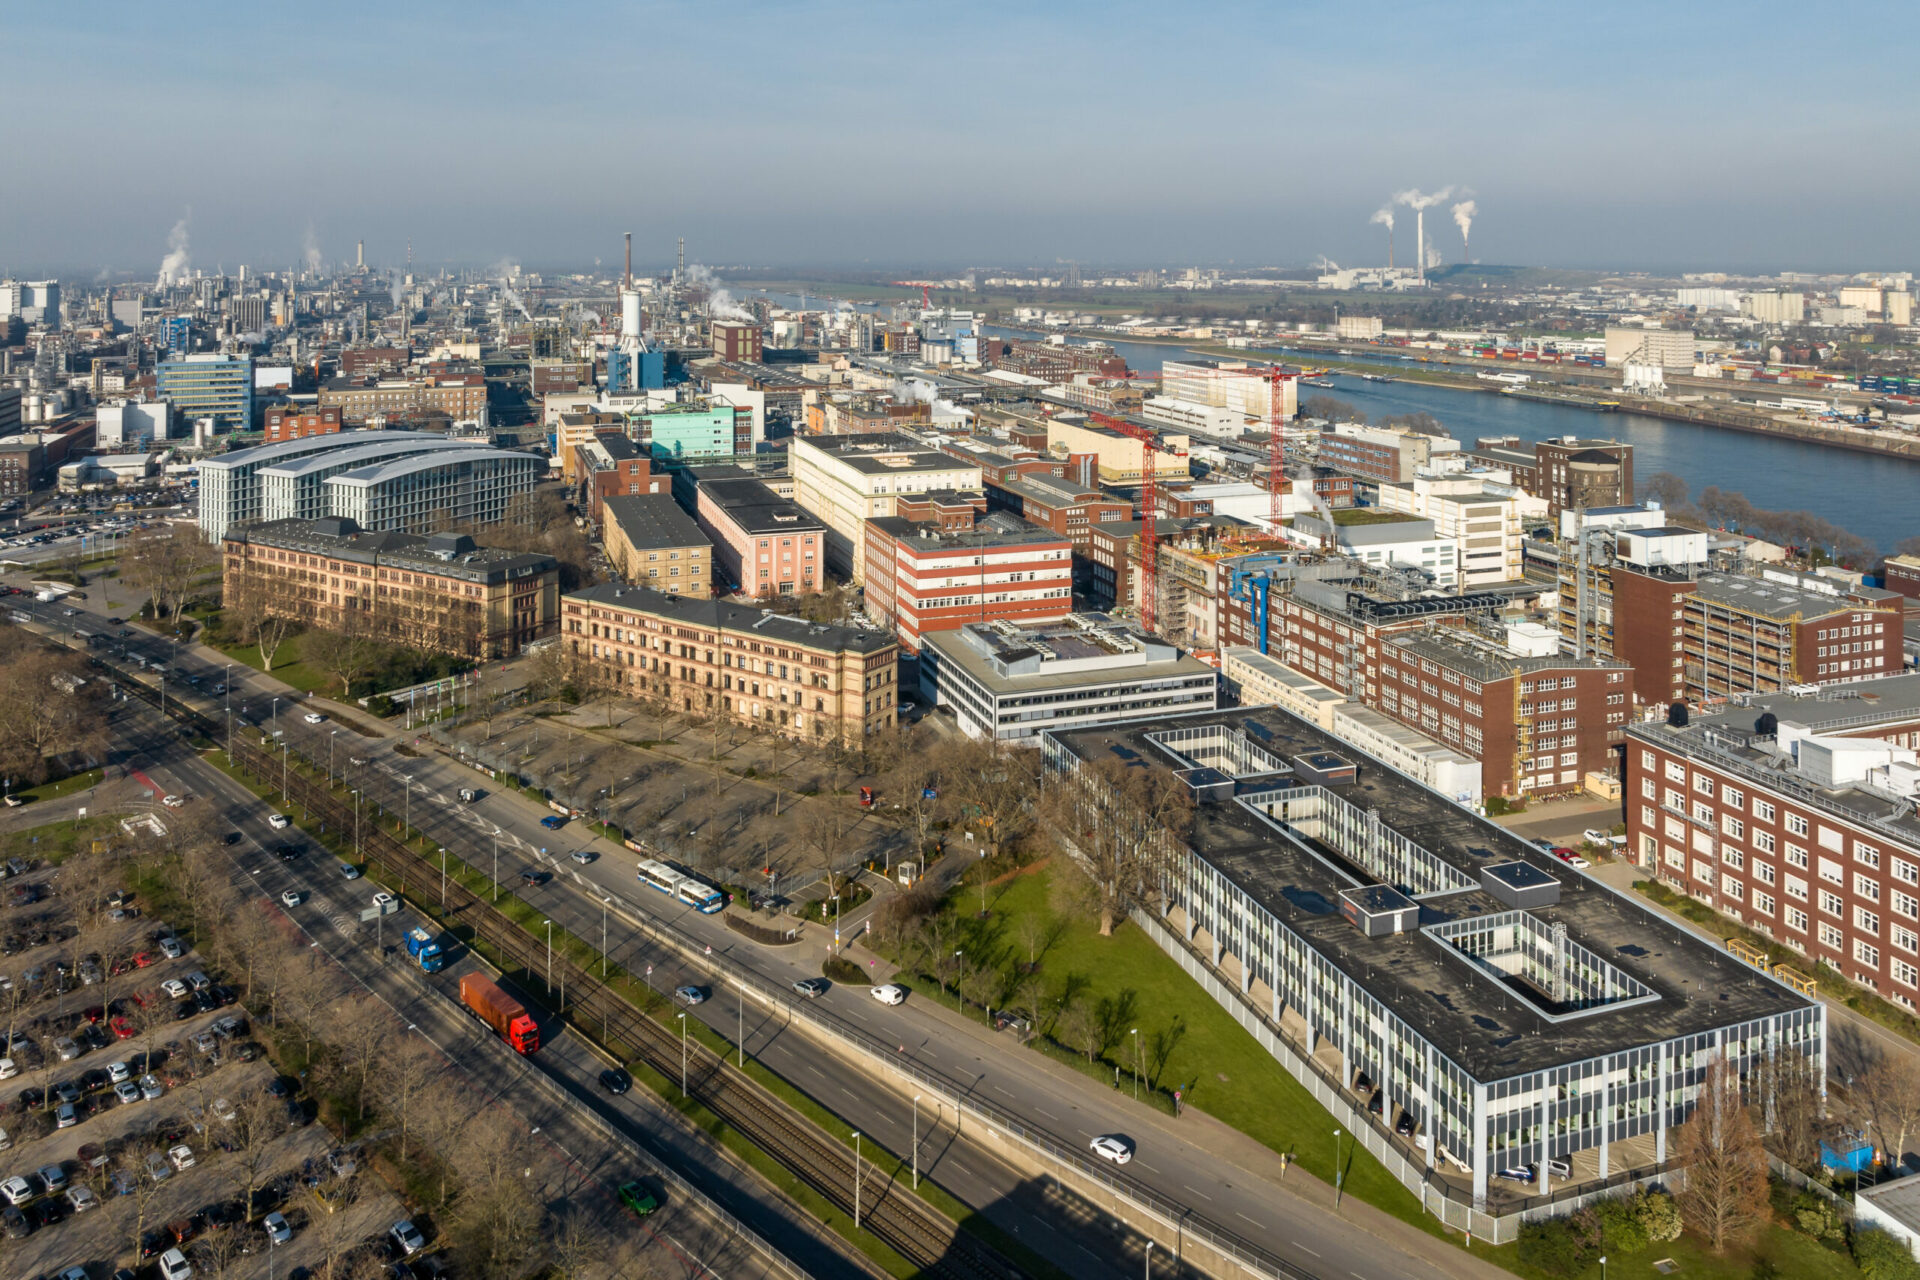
[210, 386]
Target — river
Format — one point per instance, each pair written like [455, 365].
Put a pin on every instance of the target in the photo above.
[1876, 498]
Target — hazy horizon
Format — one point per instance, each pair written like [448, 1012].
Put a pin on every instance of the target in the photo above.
[839, 136]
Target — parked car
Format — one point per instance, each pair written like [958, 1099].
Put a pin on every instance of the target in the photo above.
[890, 993]
[173, 1266]
[407, 1237]
[313, 717]
[292, 898]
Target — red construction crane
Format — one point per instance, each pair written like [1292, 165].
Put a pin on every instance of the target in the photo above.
[924, 286]
[1149, 508]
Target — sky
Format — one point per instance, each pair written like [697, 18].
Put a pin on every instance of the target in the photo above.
[1624, 135]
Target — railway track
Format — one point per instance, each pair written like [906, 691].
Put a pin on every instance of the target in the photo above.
[908, 1225]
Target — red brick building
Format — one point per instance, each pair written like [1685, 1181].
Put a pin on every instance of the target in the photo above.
[294, 422]
[1903, 576]
[737, 340]
[1570, 473]
[923, 578]
[612, 466]
[361, 362]
[1059, 505]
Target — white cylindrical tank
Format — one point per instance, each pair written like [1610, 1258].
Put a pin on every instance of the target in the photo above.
[630, 313]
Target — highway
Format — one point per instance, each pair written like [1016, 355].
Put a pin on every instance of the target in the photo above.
[972, 1062]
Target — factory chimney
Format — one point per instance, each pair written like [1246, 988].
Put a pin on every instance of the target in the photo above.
[1420, 242]
[627, 279]
[359, 253]
[1389, 248]
[680, 263]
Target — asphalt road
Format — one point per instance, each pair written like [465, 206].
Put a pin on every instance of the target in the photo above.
[1043, 1096]
[554, 1093]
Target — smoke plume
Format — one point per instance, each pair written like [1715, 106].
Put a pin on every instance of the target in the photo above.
[1463, 214]
[504, 270]
[1324, 263]
[1382, 217]
[720, 303]
[173, 267]
[1417, 200]
[310, 251]
[395, 289]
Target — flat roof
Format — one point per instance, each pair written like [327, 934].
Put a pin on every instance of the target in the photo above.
[1490, 1031]
[756, 508]
[1063, 642]
[305, 446]
[1486, 661]
[1773, 599]
[342, 539]
[654, 520]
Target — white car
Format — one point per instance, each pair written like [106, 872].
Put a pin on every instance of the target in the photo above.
[119, 1073]
[292, 898]
[172, 802]
[1593, 835]
[175, 989]
[314, 717]
[890, 993]
[8, 1069]
[150, 1087]
[1109, 1147]
[279, 821]
[383, 899]
[181, 1156]
[223, 1110]
[350, 871]
[17, 1190]
[174, 1266]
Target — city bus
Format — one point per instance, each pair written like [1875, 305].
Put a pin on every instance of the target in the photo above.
[699, 895]
[657, 875]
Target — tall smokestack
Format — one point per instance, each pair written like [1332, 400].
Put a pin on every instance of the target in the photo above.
[627, 279]
[1389, 248]
[1420, 241]
[360, 253]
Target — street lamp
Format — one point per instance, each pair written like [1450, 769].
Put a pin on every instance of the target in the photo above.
[1149, 1260]
[683, 1055]
[330, 737]
[496, 864]
[1338, 1177]
[443, 878]
[273, 718]
[226, 687]
[549, 925]
[1603, 1267]
[1135, 1033]
[916, 1140]
[406, 812]
[856, 1179]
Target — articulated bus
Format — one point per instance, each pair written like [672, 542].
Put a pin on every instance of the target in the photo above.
[657, 875]
[699, 895]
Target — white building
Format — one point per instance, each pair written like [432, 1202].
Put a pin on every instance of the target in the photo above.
[1668, 348]
[1231, 385]
[844, 480]
[1194, 417]
[1711, 299]
[1358, 328]
[297, 489]
[432, 491]
[1408, 544]
[230, 485]
[1776, 307]
[1014, 683]
[1485, 520]
[133, 423]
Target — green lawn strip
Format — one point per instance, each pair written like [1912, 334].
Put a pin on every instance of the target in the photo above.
[55, 842]
[286, 668]
[62, 787]
[1790, 1253]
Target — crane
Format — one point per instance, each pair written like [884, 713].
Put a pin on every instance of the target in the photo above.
[1149, 509]
[925, 287]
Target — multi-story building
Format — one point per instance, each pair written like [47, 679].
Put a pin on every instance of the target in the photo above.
[923, 578]
[1461, 1000]
[23, 464]
[1259, 392]
[736, 340]
[9, 410]
[846, 480]
[763, 544]
[1118, 458]
[1384, 540]
[1570, 473]
[1902, 576]
[1375, 453]
[452, 395]
[1667, 348]
[294, 421]
[296, 489]
[609, 466]
[1648, 597]
[232, 491]
[1777, 307]
[694, 432]
[1483, 520]
[441, 594]
[651, 542]
[1066, 507]
[428, 491]
[1053, 361]
[1013, 683]
[1794, 815]
[209, 386]
[361, 362]
[713, 658]
[133, 424]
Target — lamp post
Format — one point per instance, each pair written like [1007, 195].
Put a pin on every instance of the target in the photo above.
[683, 1055]
[1135, 1033]
[549, 925]
[330, 737]
[496, 864]
[273, 716]
[443, 878]
[958, 1000]
[1603, 1267]
[916, 1140]
[856, 1179]
[226, 685]
[284, 797]
[1149, 1261]
[406, 811]
[1338, 1176]
[603, 935]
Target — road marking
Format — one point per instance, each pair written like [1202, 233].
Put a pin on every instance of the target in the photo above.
[1197, 1191]
[998, 1089]
[1042, 1110]
[1244, 1218]
[1302, 1248]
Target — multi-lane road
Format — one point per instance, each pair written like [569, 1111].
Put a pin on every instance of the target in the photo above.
[677, 946]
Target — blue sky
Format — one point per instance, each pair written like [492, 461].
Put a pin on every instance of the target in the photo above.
[1661, 136]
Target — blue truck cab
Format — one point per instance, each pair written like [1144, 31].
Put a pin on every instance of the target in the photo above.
[424, 950]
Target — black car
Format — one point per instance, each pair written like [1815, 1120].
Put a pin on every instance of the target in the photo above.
[29, 1099]
[1404, 1125]
[154, 1243]
[286, 852]
[615, 1081]
[231, 838]
[280, 1087]
[246, 1051]
[45, 1212]
[221, 1215]
[19, 1226]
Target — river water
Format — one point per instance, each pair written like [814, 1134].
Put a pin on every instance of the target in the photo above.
[1876, 498]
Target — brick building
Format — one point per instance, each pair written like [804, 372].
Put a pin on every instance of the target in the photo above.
[1062, 506]
[1572, 474]
[1903, 576]
[454, 395]
[736, 340]
[1794, 815]
[1375, 453]
[611, 466]
[294, 422]
[440, 594]
[713, 658]
[362, 362]
[923, 577]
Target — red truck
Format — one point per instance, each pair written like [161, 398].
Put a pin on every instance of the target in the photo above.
[487, 1002]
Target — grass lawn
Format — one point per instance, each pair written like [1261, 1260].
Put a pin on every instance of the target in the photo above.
[63, 787]
[55, 842]
[287, 666]
[1222, 1070]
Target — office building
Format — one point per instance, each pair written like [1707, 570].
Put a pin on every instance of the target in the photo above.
[922, 577]
[9, 410]
[763, 544]
[458, 396]
[430, 491]
[209, 386]
[735, 340]
[296, 421]
[1663, 348]
[1570, 473]
[1376, 453]
[440, 594]
[1257, 392]
[710, 657]
[231, 490]
[1775, 308]
[1012, 684]
[133, 424]
[296, 489]
[651, 542]
[609, 466]
[1065, 507]
[1793, 814]
[1485, 521]
[1418, 967]
[844, 480]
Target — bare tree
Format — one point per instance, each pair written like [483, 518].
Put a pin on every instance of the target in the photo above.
[1786, 1087]
[165, 563]
[406, 1075]
[1725, 1197]
[996, 784]
[1891, 1091]
[358, 1031]
[1122, 819]
[823, 832]
[257, 1123]
[580, 1246]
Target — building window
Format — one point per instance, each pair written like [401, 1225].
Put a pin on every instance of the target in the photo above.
[1797, 824]
[1866, 954]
